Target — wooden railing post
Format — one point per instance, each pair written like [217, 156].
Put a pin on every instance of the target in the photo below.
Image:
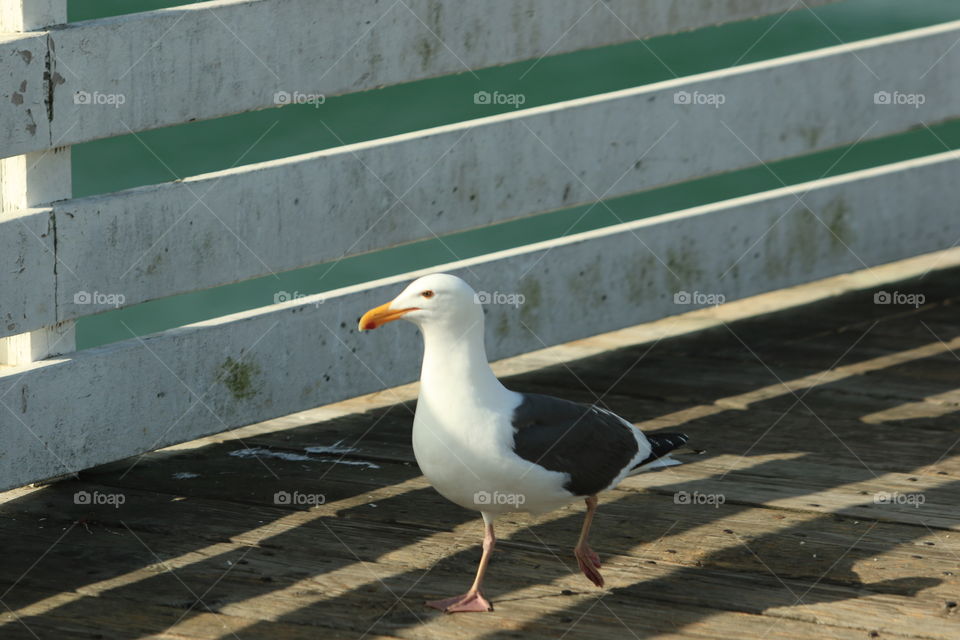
[28, 15]
[31, 180]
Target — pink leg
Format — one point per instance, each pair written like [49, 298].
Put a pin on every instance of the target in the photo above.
[588, 560]
[473, 599]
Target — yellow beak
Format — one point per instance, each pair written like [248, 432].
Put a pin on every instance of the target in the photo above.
[379, 316]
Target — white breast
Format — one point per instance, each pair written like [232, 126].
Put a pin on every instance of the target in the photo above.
[466, 453]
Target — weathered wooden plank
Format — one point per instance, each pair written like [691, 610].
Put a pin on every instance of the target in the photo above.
[781, 481]
[896, 385]
[765, 378]
[27, 264]
[632, 521]
[29, 181]
[692, 331]
[797, 484]
[120, 618]
[329, 577]
[23, 94]
[29, 15]
[866, 372]
[766, 428]
[288, 357]
[324, 205]
[762, 455]
[863, 407]
[210, 59]
[828, 322]
[815, 336]
[302, 602]
[676, 570]
[537, 614]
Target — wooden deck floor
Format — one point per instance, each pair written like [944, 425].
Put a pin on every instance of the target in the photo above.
[832, 434]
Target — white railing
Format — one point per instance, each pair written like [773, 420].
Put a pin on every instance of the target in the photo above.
[64, 410]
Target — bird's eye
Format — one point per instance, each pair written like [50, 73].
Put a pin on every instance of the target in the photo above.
[427, 294]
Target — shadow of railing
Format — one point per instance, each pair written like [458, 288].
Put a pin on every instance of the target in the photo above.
[234, 551]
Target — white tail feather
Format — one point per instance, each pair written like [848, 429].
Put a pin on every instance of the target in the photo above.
[664, 461]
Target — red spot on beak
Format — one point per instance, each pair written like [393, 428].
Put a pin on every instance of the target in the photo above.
[379, 316]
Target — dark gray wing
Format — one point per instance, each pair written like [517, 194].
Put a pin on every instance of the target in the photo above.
[592, 445]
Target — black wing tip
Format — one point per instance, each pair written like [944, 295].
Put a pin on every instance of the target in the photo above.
[678, 442]
[669, 441]
[662, 444]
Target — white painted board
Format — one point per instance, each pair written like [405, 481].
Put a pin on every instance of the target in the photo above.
[205, 60]
[115, 401]
[272, 217]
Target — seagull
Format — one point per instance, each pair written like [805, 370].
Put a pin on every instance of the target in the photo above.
[493, 450]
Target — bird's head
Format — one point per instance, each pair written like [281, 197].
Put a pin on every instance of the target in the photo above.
[439, 299]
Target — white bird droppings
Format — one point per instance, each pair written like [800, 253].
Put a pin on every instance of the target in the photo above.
[267, 453]
[333, 448]
[260, 452]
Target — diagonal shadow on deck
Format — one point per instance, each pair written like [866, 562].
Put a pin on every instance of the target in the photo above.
[247, 567]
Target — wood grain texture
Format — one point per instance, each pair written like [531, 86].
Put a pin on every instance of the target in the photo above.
[27, 264]
[29, 181]
[800, 548]
[264, 363]
[162, 240]
[216, 58]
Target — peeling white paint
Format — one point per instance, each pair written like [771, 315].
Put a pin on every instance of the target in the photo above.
[497, 168]
[307, 342]
[224, 56]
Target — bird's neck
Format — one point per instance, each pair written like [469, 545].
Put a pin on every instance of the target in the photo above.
[455, 368]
